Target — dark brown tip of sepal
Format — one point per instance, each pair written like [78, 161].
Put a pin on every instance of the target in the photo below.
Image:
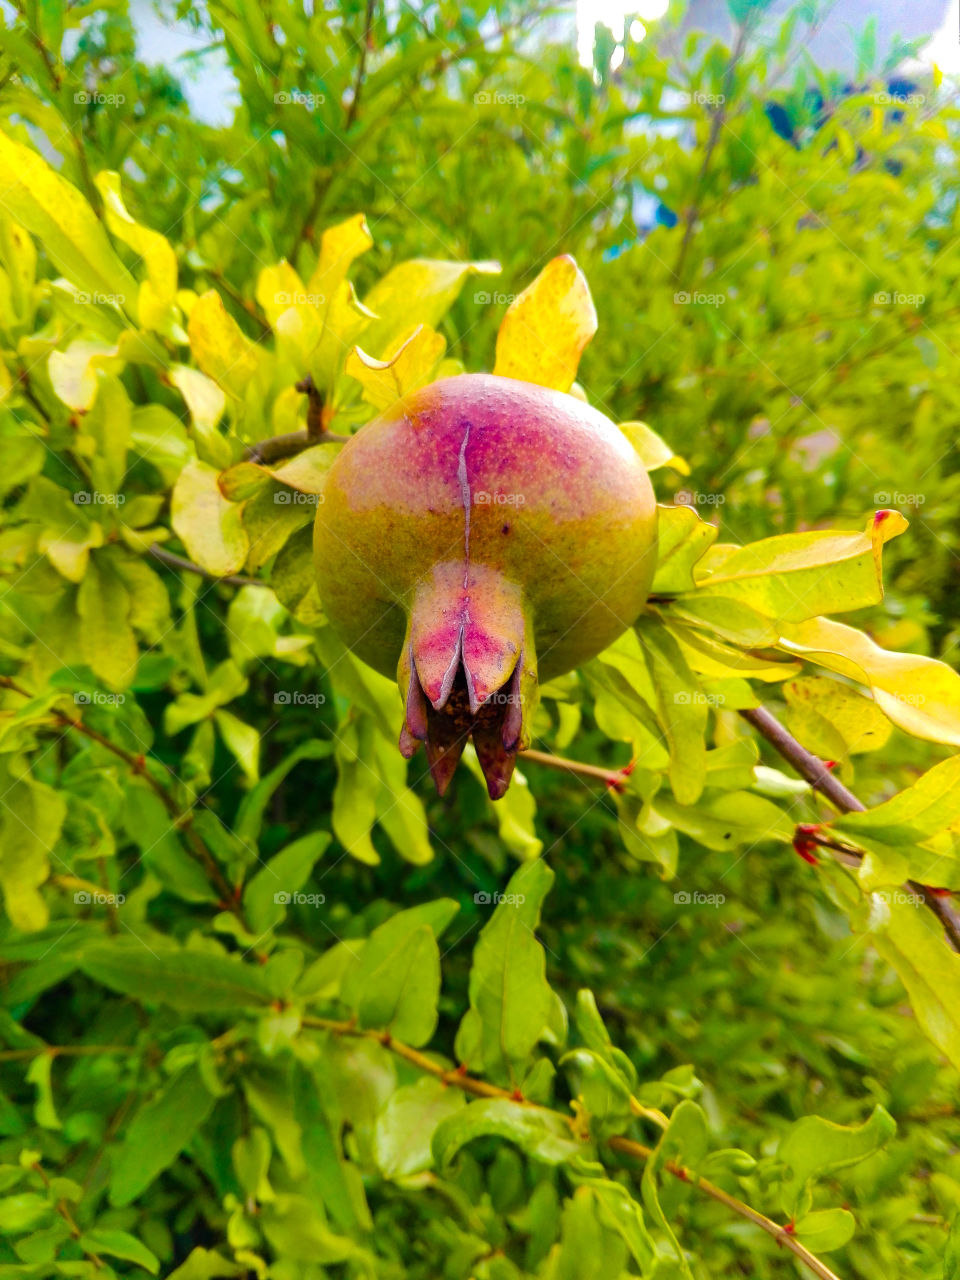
[496, 760]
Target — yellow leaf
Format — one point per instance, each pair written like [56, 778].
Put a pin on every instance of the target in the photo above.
[279, 288]
[72, 235]
[73, 373]
[339, 246]
[653, 449]
[219, 346]
[204, 398]
[920, 695]
[822, 712]
[157, 300]
[547, 327]
[206, 403]
[799, 575]
[208, 524]
[419, 291]
[386, 381]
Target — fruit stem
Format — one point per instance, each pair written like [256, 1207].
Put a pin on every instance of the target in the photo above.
[613, 778]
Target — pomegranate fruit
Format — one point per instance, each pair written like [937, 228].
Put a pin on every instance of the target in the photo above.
[481, 534]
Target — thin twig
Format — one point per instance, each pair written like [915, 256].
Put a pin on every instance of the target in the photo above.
[180, 562]
[813, 769]
[716, 124]
[459, 1079]
[783, 1235]
[365, 42]
[247, 307]
[616, 779]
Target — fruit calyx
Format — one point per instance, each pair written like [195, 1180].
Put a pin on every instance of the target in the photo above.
[467, 670]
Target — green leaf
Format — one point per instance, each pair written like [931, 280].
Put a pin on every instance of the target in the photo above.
[206, 1264]
[157, 1134]
[511, 1002]
[406, 1126]
[951, 1257]
[23, 1212]
[71, 234]
[210, 527]
[515, 813]
[684, 1142]
[681, 709]
[119, 1244]
[541, 1134]
[395, 983]
[728, 821]
[602, 1090]
[242, 741]
[192, 981]
[31, 818]
[269, 892]
[825, 1229]
[109, 645]
[928, 806]
[588, 1249]
[813, 1147]
[253, 805]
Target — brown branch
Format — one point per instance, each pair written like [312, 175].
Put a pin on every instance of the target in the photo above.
[180, 562]
[458, 1079]
[813, 769]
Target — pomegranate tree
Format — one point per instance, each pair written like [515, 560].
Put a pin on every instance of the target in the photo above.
[483, 534]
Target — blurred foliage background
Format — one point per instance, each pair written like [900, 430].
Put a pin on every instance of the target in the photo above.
[781, 305]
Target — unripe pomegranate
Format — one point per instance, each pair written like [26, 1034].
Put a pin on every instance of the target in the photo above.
[481, 534]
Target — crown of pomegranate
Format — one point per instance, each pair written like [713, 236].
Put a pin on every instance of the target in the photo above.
[485, 531]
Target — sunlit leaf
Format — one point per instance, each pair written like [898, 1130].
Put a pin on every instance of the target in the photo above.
[546, 327]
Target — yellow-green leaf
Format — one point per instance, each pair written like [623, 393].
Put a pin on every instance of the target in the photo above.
[409, 367]
[54, 210]
[73, 372]
[546, 327]
[157, 301]
[339, 247]
[30, 820]
[929, 970]
[208, 524]
[682, 539]
[653, 450]
[920, 695]
[419, 291]
[109, 645]
[795, 576]
[820, 709]
[219, 346]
